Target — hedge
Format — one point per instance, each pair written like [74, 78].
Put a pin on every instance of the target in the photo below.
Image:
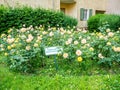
[104, 20]
[113, 21]
[17, 17]
[94, 22]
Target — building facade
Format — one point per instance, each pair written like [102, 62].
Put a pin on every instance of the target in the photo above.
[83, 9]
[48, 4]
[79, 9]
[113, 7]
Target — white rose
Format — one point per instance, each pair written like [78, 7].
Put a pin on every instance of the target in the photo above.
[83, 41]
[65, 55]
[110, 34]
[51, 34]
[75, 42]
[100, 56]
[78, 52]
[28, 48]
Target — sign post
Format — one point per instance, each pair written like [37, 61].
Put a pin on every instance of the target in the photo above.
[55, 61]
[53, 51]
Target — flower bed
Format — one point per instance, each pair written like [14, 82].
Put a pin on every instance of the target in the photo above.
[25, 47]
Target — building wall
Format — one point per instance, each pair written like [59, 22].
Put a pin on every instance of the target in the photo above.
[70, 9]
[113, 7]
[57, 4]
[1, 1]
[90, 4]
[48, 4]
[73, 9]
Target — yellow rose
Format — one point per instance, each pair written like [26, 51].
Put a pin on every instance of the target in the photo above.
[108, 30]
[113, 47]
[2, 35]
[9, 30]
[91, 49]
[99, 34]
[79, 59]
[119, 28]
[35, 45]
[9, 47]
[16, 40]
[6, 54]
[116, 49]
[13, 45]
[108, 43]
[28, 48]
[54, 28]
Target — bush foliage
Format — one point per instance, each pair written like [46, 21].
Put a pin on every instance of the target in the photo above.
[105, 21]
[93, 22]
[17, 17]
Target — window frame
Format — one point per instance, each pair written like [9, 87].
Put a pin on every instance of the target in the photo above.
[85, 14]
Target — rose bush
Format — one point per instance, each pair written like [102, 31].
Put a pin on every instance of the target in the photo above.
[25, 47]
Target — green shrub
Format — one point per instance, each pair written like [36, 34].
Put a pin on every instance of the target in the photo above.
[69, 21]
[3, 11]
[101, 22]
[94, 22]
[17, 17]
[112, 20]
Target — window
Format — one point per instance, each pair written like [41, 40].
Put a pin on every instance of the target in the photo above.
[85, 14]
[62, 9]
[99, 12]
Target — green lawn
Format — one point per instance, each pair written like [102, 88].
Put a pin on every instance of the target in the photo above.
[14, 81]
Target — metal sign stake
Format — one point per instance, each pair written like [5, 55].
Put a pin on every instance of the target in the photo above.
[55, 62]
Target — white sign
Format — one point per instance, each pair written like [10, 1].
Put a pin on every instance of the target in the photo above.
[53, 50]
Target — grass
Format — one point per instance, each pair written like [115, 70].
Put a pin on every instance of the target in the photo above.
[59, 80]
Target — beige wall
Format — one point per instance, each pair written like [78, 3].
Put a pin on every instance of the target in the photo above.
[94, 4]
[48, 4]
[57, 4]
[90, 4]
[113, 6]
[70, 9]
[1, 1]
